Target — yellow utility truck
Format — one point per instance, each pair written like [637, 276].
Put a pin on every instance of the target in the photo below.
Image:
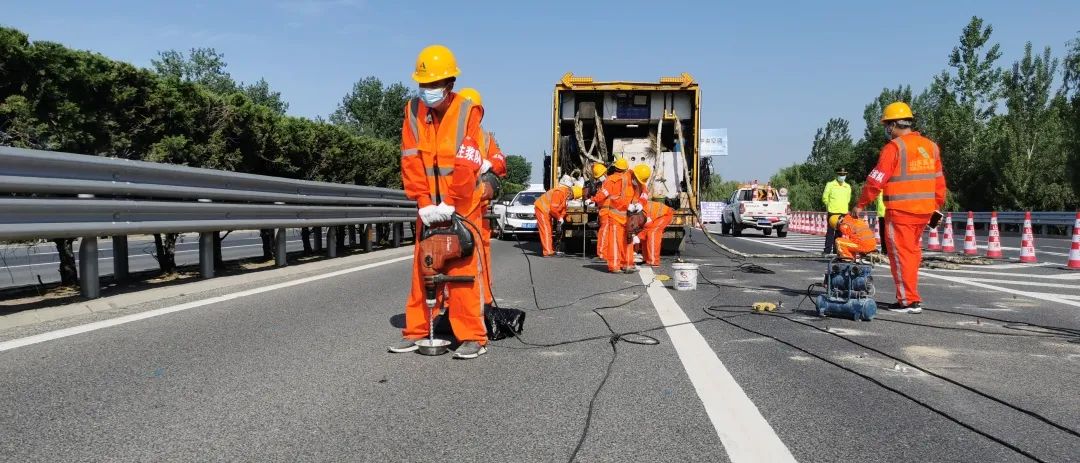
[653, 123]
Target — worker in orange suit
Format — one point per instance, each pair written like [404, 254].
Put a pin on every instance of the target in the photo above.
[440, 166]
[622, 192]
[495, 163]
[552, 206]
[657, 218]
[856, 237]
[909, 173]
[599, 175]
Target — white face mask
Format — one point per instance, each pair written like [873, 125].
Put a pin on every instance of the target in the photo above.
[841, 178]
[432, 96]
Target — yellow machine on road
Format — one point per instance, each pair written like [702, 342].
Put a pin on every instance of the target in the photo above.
[653, 123]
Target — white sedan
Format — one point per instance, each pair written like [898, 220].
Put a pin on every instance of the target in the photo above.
[516, 217]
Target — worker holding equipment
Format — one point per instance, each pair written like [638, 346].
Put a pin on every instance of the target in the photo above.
[856, 237]
[837, 200]
[599, 175]
[657, 217]
[909, 173]
[622, 192]
[552, 206]
[492, 169]
[440, 166]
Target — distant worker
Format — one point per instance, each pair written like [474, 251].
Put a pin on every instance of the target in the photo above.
[909, 173]
[879, 204]
[657, 218]
[552, 206]
[856, 237]
[592, 187]
[616, 181]
[440, 165]
[837, 200]
[623, 192]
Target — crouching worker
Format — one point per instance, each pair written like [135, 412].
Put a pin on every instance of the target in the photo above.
[552, 205]
[856, 237]
[657, 218]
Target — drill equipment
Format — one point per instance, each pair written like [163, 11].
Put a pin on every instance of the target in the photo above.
[849, 291]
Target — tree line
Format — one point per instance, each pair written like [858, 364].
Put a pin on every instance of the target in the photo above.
[1009, 137]
[188, 110]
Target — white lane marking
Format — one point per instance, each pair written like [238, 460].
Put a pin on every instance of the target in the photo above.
[1017, 265]
[966, 281]
[1009, 248]
[139, 255]
[745, 434]
[1065, 277]
[63, 333]
[777, 245]
[1025, 283]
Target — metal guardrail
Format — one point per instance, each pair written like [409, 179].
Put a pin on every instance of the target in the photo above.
[63, 195]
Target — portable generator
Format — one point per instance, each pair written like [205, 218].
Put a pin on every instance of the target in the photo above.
[849, 291]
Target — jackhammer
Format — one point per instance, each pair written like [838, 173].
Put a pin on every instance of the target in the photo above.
[441, 244]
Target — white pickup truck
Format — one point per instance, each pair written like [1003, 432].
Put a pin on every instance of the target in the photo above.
[759, 208]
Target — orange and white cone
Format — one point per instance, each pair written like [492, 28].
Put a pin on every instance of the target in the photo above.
[993, 246]
[948, 245]
[970, 248]
[877, 226]
[1027, 242]
[819, 229]
[1074, 253]
[934, 244]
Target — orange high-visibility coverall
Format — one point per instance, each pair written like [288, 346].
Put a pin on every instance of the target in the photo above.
[550, 205]
[489, 151]
[442, 151]
[856, 237]
[659, 216]
[909, 172]
[618, 192]
[601, 217]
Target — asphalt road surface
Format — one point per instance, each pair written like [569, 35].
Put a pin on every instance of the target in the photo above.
[299, 371]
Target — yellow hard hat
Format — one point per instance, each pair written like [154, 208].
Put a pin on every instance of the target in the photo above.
[598, 170]
[642, 173]
[435, 62]
[471, 94]
[896, 111]
[834, 221]
[578, 190]
[621, 163]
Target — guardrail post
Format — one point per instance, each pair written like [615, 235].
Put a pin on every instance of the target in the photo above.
[318, 238]
[352, 235]
[280, 254]
[206, 254]
[369, 229]
[331, 242]
[120, 258]
[89, 284]
[399, 229]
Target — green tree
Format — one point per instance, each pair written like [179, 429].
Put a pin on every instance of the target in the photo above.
[518, 170]
[203, 66]
[832, 149]
[260, 93]
[373, 110]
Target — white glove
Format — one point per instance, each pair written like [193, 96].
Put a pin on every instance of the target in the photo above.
[637, 240]
[634, 207]
[486, 166]
[426, 213]
[560, 222]
[648, 220]
[590, 203]
[445, 212]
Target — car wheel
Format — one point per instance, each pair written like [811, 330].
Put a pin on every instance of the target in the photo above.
[781, 233]
[725, 228]
[767, 232]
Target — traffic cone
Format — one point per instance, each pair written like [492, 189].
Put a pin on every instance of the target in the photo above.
[935, 244]
[877, 226]
[970, 248]
[820, 229]
[948, 245]
[802, 223]
[1074, 253]
[1027, 242]
[993, 246]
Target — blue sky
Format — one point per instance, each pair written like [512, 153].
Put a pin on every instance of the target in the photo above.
[771, 72]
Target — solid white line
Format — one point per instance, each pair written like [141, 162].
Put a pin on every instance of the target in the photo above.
[1066, 277]
[63, 333]
[776, 245]
[1019, 282]
[1043, 296]
[745, 434]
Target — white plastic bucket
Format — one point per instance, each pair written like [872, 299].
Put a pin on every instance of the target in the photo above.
[685, 276]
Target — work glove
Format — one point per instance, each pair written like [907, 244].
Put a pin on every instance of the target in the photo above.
[445, 212]
[637, 240]
[486, 166]
[648, 220]
[590, 203]
[635, 207]
[426, 214]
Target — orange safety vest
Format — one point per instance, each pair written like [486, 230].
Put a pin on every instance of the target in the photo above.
[857, 230]
[431, 151]
[654, 210]
[911, 188]
[554, 201]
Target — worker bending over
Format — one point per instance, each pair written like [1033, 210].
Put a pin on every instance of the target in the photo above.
[494, 163]
[440, 165]
[657, 218]
[909, 172]
[855, 239]
[552, 206]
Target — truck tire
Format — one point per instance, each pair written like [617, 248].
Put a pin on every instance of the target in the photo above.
[781, 233]
[725, 228]
[736, 229]
[767, 232]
